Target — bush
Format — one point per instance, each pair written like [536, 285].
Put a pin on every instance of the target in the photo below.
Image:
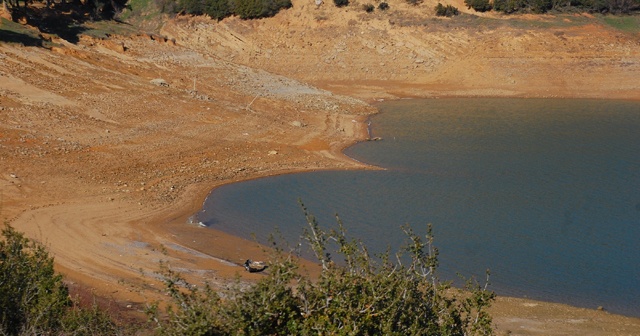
[248, 9]
[369, 8]
[357, 295]
[478, 5]
[198, 311]
[540, 6]
[89, 322]
[591, 5]
[272, 7]
[341, 3]
[217, 9]
[194, 7]
[33, 298]
[383, 6]
[447, 10]
[253, 9]
[508, 6]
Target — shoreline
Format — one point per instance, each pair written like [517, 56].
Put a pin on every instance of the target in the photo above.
[529, 301]
[171, 225]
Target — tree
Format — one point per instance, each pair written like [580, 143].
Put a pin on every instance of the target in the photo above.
[194, 7]
[217, 9]
[447, 10]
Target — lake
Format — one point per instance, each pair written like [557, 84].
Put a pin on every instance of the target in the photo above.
[543, 192]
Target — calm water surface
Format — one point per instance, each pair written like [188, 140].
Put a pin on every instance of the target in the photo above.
[544, 193]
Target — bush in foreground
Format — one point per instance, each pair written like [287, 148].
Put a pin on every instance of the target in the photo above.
[359, 295]
[33, 298]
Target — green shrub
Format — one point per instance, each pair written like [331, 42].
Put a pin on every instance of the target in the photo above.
[540, 6]
[383, 6]
[369, 8]
[253, 9]
[217, 9]
[89, 322]
[358, 294]
[274, 6]
[591, 5]
[197, 311]
[478, 5]
[194, 7]
[33, 298]
[508, 6]
[447, 10]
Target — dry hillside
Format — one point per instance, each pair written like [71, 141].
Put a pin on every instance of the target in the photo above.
[401, 52]
[105, 165]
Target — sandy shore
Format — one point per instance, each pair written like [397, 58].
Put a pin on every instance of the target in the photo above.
[106, 168]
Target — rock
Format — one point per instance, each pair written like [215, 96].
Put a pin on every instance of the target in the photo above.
[159, 82]
[297, 123]
[272, 152]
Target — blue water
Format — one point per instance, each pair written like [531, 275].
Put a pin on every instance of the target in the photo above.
[544, 193]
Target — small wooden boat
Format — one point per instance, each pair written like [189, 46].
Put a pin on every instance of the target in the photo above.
[254, 266]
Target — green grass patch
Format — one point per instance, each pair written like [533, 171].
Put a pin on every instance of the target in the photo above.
[515, 21]
[102, 29]
[8, 25]
[139, 5]
[13, 32]
[629, 24]
[549, 21]
[140, 10]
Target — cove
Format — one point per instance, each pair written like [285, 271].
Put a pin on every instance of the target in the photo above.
[543, 192]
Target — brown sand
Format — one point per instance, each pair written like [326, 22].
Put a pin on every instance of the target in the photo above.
[106, 168]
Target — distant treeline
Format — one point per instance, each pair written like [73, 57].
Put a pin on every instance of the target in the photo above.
[543, 6]
[95, 9]
[220, 9]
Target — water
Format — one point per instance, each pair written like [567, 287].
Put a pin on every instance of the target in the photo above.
[544, 193]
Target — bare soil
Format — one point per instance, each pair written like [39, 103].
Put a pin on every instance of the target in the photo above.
[106, 166]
